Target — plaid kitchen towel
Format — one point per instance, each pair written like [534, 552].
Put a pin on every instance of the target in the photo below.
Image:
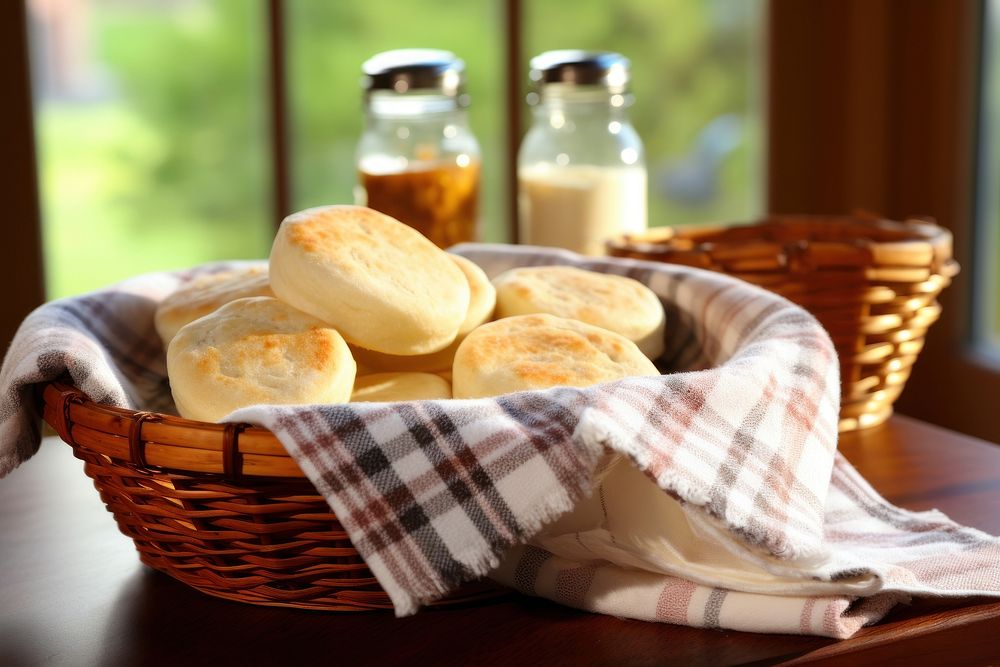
[763, 526]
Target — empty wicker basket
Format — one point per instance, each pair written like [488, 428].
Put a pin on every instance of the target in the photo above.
[221, 507]
[872, 283]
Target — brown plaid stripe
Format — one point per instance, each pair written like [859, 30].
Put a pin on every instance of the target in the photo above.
[407, 475]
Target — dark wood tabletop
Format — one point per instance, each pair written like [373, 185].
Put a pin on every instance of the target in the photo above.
[72, 591]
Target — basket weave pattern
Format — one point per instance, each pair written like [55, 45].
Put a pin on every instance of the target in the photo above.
[873, 284]
[222, 508]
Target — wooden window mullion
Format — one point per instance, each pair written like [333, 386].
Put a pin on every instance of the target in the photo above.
[21, 268]
[514, 66]
[278, 110]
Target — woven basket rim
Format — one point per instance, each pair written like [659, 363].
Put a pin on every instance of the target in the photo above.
[165, 441]
[795, 234]
[916, 228]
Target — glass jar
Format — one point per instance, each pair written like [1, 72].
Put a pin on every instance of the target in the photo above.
[417, 159]
[581, 167]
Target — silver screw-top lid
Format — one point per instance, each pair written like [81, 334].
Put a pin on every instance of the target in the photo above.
[416, 70]
[583, 68]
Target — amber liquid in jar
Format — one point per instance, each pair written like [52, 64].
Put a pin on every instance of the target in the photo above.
[441, 200]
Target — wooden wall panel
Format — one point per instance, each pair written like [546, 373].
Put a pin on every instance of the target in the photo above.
[873, 105]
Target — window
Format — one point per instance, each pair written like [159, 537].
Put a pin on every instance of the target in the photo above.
[869, 105]
[153, 133]
[151, 136]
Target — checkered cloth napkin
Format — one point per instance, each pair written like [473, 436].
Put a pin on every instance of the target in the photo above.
[711, 496]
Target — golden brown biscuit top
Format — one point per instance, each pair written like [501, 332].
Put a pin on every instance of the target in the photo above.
[257, 350]
[541, 351]
[329, 228]
[577, 293]
[259, 336]
[355, 241]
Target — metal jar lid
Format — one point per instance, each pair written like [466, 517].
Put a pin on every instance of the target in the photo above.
[582, 68]
[415, 70]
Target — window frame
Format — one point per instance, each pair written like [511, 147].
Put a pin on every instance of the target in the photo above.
[21, 268]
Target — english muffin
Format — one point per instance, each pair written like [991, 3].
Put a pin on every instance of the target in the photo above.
[256, 350]
[615, 303]
[541, 351]
[378, 282]
[379, 387]
[414, 363]
[207, 293]
[483, 299]
[483, 296]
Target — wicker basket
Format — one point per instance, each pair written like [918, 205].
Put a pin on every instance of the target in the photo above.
[222, 508]
[872, 283]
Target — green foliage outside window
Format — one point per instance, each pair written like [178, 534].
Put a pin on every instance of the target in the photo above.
[163, 159]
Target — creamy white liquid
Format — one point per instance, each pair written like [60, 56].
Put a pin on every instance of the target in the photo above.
[580, 207]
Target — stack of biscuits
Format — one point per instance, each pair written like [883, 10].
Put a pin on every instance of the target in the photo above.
[356, 306]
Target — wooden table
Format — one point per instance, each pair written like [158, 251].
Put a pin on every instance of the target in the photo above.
[72, 591]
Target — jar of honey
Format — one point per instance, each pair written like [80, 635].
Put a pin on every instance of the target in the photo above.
[417, 158]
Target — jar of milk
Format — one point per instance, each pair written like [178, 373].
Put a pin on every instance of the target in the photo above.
[581, 168]
[418, 159]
